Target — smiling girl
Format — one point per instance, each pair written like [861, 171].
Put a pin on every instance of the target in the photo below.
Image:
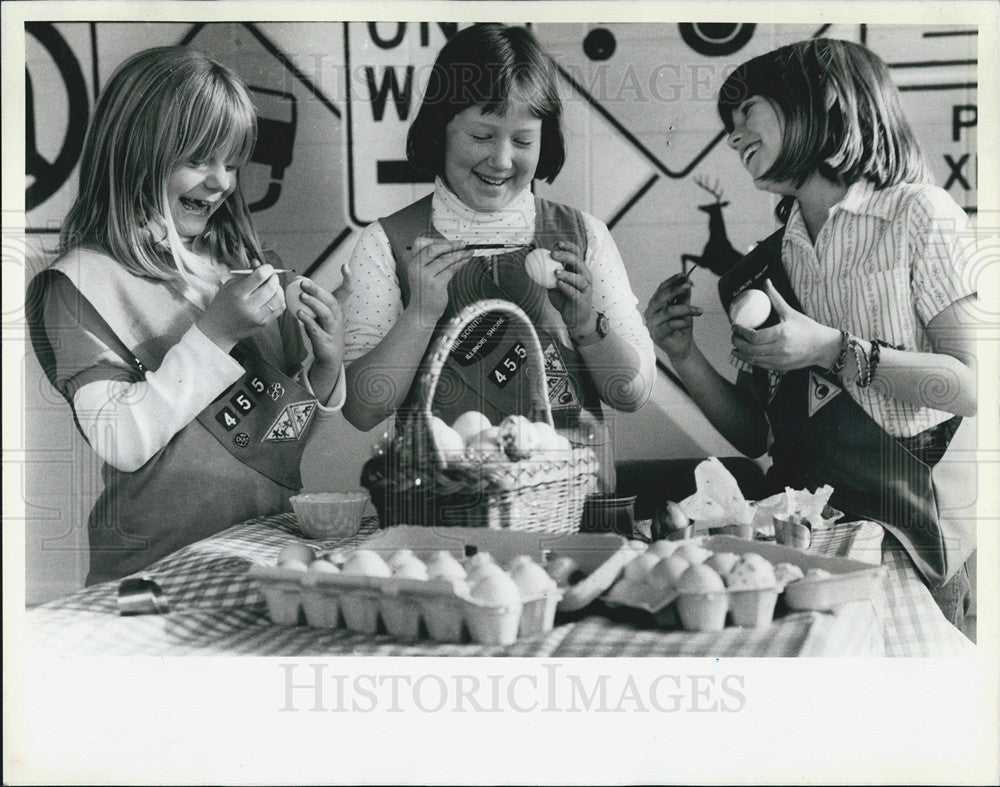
[186, 380]
[488, 125]
[865, 379]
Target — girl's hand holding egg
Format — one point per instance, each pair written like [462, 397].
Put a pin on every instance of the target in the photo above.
[750, 309]
[796, 342]
[242, 306]
[573, 295]
[542, 267]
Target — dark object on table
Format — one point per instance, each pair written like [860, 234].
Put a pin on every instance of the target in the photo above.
[655, 481]
[604, 513]
[670, 522]
[141, 596]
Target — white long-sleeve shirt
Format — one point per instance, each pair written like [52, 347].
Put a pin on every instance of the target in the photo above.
[126, 421]
[375, 302]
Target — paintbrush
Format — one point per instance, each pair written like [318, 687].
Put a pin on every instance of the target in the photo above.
[684, 277]
[479, 246]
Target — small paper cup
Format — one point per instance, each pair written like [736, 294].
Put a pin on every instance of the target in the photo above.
[329, 514]
[792, 533]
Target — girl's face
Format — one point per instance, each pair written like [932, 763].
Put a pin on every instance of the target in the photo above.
[758, 130]
[195, 190]
[490, 159]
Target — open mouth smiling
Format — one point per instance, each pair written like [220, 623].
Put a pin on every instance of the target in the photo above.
[492, 181]
[197, 206]
[748, 152]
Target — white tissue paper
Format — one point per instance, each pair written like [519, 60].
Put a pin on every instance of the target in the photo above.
[717, 500]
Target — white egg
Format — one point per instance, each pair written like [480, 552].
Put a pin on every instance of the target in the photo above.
[518, 437]
[542, 268]
[485, 446]
[640, 566]
[469, 424]
[446, 439]
[750, 309]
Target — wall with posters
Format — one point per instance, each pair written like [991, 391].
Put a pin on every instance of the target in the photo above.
[646, 156]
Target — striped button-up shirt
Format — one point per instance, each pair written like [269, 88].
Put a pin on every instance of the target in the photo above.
[884, 264]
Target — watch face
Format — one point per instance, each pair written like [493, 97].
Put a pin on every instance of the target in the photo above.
[603, 324]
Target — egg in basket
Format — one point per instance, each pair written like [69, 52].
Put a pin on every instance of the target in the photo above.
[519, 474]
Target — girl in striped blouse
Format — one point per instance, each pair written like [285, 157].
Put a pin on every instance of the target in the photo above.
[863, 373]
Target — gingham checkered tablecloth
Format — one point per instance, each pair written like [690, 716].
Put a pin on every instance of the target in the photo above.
[215, 609]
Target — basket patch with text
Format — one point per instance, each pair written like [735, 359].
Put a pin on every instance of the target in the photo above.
[479, 338]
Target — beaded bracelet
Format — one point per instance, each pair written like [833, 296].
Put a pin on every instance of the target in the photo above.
[877, 344]
[863, 364]
[872, 364]
[838, 365]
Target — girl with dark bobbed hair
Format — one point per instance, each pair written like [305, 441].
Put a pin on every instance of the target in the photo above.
[862, 376]
[488, 125]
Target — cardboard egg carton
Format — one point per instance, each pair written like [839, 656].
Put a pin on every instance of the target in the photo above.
[850, 581]
[438, 609]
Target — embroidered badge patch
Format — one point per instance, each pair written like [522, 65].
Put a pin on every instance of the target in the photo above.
[821, 392]
[291, 423]
[562, 392]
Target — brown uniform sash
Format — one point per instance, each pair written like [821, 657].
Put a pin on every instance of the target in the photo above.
[821, 435]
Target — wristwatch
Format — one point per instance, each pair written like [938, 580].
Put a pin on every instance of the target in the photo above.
[602, 327]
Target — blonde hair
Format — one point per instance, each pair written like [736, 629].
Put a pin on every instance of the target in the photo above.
[162, 107]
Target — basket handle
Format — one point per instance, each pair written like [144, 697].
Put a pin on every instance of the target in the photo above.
[446, 340]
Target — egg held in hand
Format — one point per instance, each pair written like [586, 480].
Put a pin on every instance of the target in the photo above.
[750, 309]
[542, 268]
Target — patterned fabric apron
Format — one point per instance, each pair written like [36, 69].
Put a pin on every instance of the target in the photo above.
[192, 487]
[821, 435]
[485, 370]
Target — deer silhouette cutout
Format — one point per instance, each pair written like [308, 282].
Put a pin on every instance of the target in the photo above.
[718, 255]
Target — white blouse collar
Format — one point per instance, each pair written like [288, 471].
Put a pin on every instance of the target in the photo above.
[457, 221]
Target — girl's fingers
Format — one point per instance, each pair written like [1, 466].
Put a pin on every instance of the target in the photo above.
[683, 311]
[669, 293]
[577, 281]
[312, 290]
[569, 247]
[449, 263]
[437, 249]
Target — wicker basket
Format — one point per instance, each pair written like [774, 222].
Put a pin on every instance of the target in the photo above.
[414, 482]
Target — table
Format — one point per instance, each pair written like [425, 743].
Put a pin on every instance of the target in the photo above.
[215, 609]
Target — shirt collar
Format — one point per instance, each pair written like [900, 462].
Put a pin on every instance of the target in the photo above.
[457, 221]
[862, 197]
